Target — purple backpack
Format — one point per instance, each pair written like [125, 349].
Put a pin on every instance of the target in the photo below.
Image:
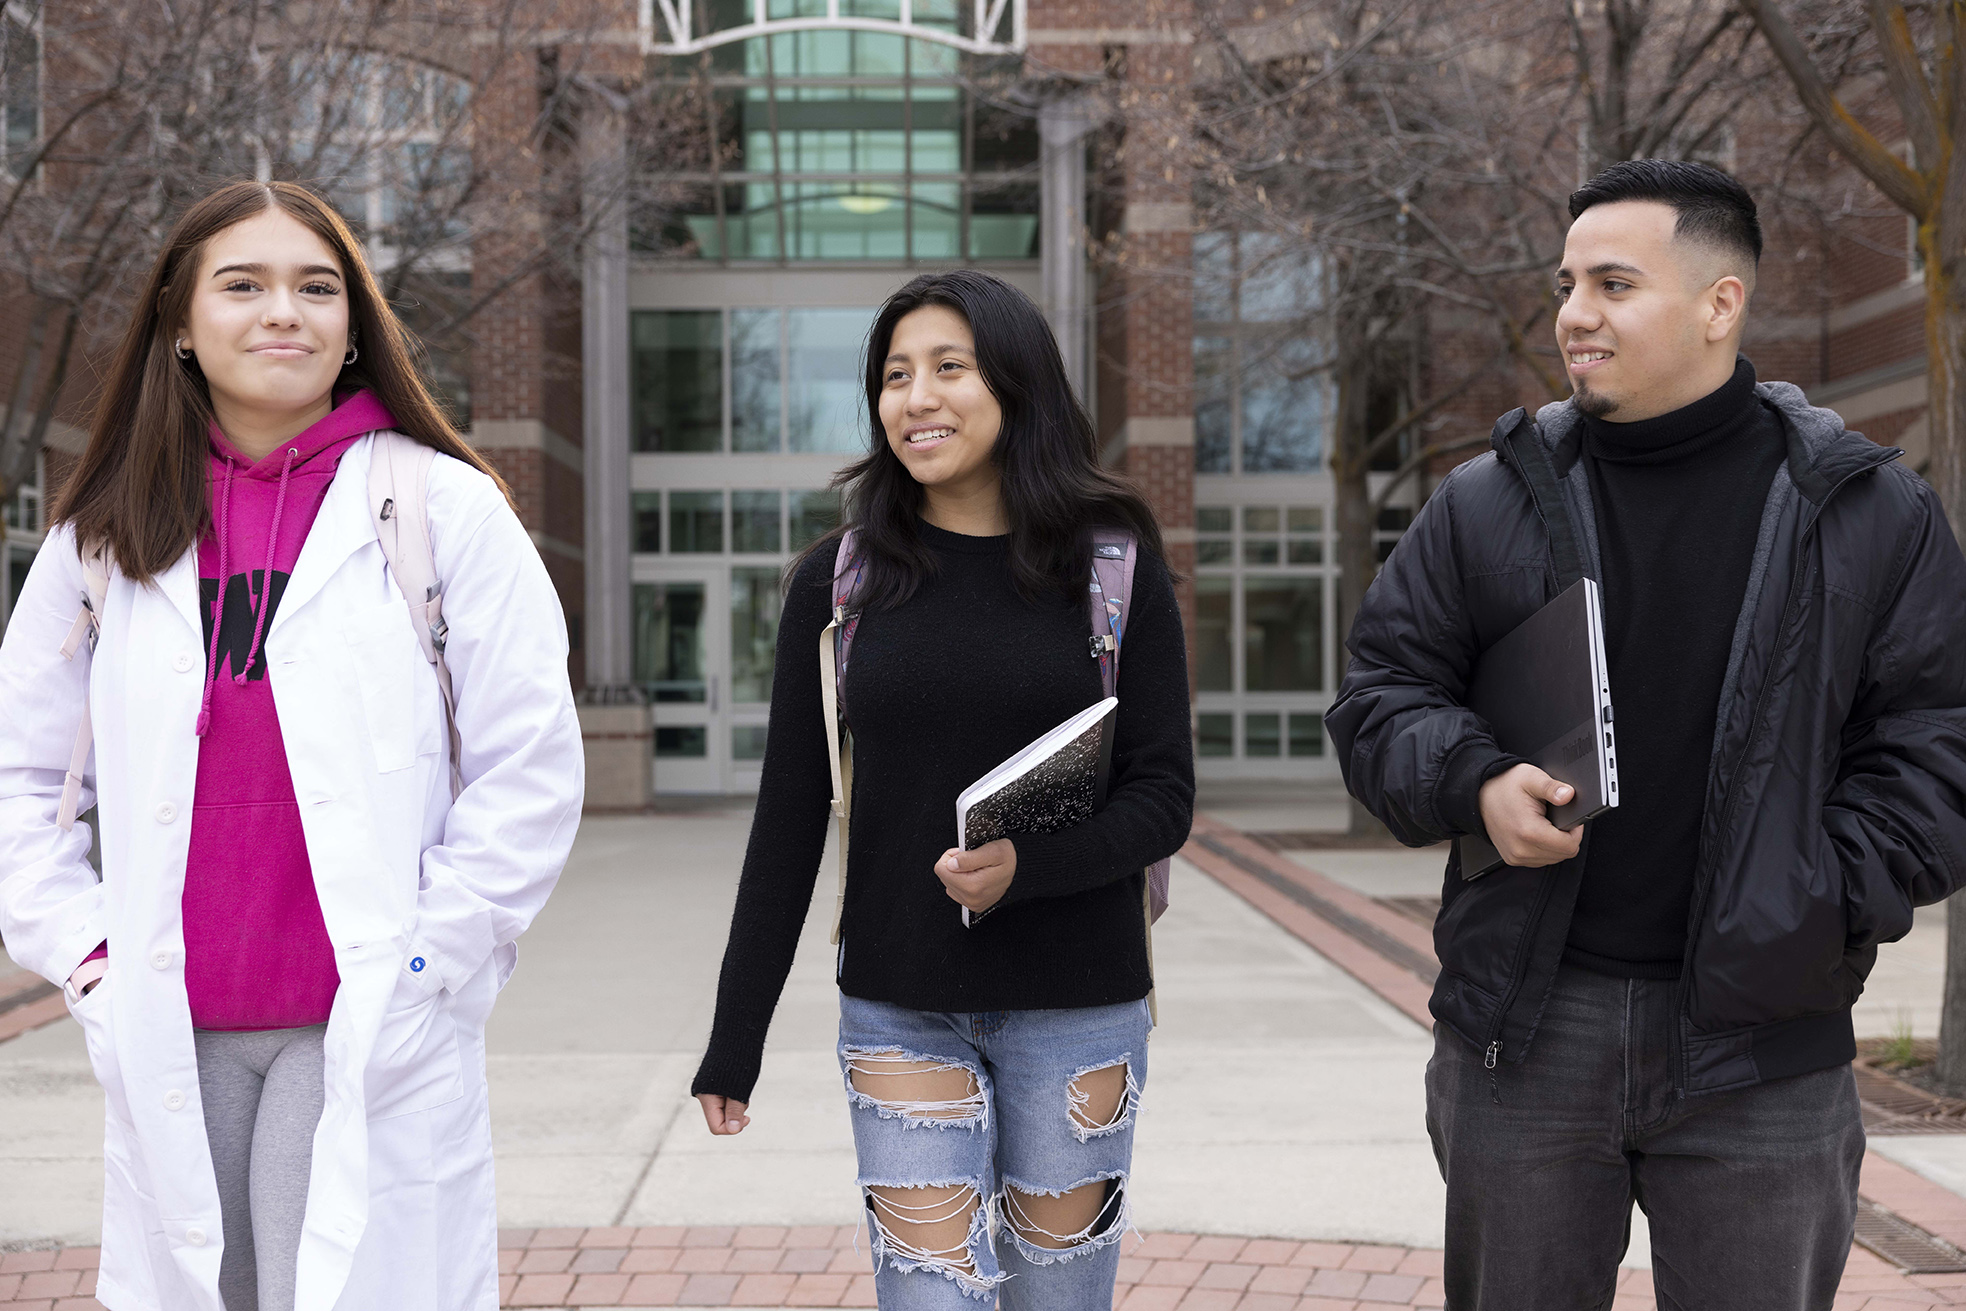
[1113, 557]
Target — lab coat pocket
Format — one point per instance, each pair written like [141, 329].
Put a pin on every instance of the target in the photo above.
[386, 658]
[92, 1013]
[415, 1064]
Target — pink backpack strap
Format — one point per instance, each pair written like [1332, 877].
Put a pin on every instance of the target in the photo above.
[1114, 555]
[847, 568]
[834, 642]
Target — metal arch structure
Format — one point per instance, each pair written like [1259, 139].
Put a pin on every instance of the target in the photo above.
[667, 26]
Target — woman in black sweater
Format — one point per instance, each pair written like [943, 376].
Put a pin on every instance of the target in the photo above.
[992, 1070]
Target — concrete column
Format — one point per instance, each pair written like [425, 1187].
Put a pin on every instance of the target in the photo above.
[1063, 125]
[604, 396]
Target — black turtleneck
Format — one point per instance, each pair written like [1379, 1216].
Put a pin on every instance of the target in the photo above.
[1679, 500]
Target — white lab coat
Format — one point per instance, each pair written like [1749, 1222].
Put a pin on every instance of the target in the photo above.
[423, 897]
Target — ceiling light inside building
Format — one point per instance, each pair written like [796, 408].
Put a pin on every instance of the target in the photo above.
[865, 204]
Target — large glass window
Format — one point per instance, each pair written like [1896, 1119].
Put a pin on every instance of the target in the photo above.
[756, 373]
[1263, 392]
[848, 145]
[20, 87]
[1214, 652]
[1263, 653]
[1283, 627]
[23, 509]
[775, 379]
[696, 523]
[753, 632]
[669, 639]
[678, 380]
[754, 522]
[825, 397]
[812, 516]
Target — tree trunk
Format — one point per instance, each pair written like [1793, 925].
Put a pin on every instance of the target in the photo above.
[19, 420]
[18, 468]
[1945, 343]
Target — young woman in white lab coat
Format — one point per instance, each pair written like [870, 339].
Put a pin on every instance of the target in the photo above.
[284, 972]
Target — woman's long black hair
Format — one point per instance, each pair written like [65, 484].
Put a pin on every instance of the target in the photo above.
[1055, 493]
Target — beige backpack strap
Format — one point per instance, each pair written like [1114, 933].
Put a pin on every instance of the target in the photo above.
[86, 628]
[839, 752]
[399, 478]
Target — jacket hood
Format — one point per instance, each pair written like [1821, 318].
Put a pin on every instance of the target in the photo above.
[1822, 452]
[352, 416]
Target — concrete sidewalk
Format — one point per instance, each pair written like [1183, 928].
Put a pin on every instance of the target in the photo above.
[1284, 1099]
[1270, 1064]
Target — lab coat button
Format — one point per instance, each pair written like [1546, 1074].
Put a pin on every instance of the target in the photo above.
[182, 663]
[195, 1236]
[161, 961]
[173, 1100]
[166, 812]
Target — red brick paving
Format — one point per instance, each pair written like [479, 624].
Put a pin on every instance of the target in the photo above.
[757, 1266]
[761, 1266]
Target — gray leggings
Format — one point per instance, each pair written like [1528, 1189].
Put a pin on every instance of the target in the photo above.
[262, 1093]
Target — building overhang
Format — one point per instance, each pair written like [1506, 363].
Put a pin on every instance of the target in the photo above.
[667, 26]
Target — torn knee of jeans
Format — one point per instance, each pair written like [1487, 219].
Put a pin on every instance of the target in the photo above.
[1111, 1114]
[907, 1225]
[917, 1089]
[1040, 1245]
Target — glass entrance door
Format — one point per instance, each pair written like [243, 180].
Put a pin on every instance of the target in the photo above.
[680, 659]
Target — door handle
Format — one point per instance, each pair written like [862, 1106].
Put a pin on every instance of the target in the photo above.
[713, 694]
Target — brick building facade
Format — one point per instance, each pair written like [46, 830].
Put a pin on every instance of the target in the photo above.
[670, 402]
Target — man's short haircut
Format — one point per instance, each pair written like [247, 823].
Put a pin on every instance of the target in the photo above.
[1714, 209]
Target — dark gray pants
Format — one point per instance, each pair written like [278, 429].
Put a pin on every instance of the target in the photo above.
[1751, 1195]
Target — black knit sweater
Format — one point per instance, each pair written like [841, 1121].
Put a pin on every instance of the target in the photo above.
[1679, 501]
[938, 691]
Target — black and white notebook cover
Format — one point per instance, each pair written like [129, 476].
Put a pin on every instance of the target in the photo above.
[1055, 782]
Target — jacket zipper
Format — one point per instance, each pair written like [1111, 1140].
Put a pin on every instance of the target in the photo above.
[1521, 965]
[1703, 873]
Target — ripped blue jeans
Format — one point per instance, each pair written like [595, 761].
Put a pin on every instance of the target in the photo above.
[1024, 1129]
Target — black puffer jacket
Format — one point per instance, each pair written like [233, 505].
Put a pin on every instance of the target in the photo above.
[1836, 795]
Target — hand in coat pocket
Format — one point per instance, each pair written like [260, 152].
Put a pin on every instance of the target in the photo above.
[415, 1063]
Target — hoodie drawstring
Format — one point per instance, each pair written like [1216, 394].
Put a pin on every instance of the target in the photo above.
[221, 525]
[266, 574]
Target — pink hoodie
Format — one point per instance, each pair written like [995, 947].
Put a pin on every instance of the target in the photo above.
[256, 950]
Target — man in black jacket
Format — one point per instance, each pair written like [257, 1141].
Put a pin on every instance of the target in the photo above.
[1657, 1006]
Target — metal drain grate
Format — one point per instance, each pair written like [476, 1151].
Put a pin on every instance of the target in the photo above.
[1904, 1244]
[1895, 1107]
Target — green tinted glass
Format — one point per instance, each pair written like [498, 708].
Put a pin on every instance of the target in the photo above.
[1214, 659]
[1283, 632]
[696, 522]
[676, 363]
[754, 602]
[754, 522]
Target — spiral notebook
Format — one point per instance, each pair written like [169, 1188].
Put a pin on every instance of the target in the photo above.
[1055, 782]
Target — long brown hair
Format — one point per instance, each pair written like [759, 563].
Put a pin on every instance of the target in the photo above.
[140, 486]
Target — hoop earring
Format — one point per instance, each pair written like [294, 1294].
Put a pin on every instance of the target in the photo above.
[350, 357]
[179, 349]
